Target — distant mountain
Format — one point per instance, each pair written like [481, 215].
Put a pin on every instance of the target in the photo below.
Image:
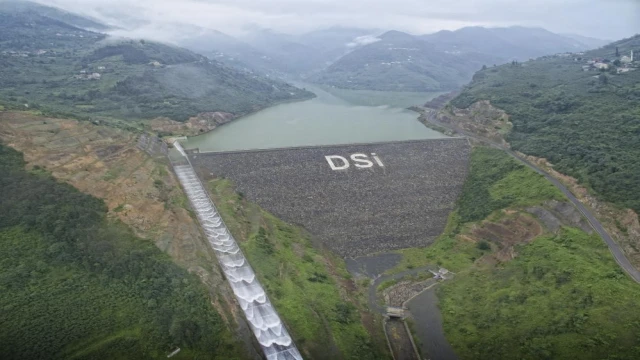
[292, 56]
[229, 50]
[17, 7]
[275, 53]
[51, 65]
[442, 61]
[335, 42]
[511, 43]
[403, 62]
[334, 38]
[592, 43]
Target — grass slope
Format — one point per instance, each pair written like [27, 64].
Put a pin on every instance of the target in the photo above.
[309, 288]
[562, 297]
[77, 285]
[586, 123]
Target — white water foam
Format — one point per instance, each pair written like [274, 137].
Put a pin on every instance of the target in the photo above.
[263, 319]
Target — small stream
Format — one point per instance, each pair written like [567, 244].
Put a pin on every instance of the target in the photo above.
[428, 320]
[423, 308]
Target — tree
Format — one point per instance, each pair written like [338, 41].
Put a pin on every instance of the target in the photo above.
[263, 242]
[616, 62]
[604, 80]
[617, 52]
[483, 245]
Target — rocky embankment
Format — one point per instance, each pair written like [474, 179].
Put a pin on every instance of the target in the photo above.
[481, 118]
[200, 124]
[402, 202]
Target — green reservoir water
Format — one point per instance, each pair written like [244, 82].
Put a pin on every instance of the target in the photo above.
[327, 119]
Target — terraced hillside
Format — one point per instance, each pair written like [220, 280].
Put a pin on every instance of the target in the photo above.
[359, 210]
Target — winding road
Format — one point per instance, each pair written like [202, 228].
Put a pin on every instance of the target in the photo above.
[615, 249]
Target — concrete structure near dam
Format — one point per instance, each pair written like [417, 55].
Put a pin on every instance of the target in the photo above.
[356, 199]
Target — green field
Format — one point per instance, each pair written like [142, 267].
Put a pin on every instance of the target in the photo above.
[76, 285]
[308, 287]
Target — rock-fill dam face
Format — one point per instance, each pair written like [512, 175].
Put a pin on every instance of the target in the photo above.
[263, 319]
[357, 199]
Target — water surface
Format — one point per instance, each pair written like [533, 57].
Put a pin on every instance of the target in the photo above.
[324, 120]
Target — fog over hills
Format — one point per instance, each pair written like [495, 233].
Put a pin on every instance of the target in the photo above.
[441, 61]
[52, 65]
[346, 56]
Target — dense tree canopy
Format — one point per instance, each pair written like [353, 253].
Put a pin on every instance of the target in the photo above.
[76, 284]
[587, 123]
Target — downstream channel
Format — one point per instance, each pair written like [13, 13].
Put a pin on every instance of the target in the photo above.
[336, 117]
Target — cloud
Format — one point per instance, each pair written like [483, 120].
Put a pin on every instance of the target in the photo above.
[598, 18]
[363, 40]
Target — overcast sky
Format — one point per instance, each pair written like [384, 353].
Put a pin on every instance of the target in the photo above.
[608, 19]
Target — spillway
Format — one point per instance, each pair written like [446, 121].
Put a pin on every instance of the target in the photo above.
[263, 318]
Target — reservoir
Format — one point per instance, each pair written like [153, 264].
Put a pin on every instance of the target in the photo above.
[333, 117]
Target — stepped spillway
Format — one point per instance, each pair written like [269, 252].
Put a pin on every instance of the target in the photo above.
[263, 319]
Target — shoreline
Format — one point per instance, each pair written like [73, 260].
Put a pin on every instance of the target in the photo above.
[249, 114]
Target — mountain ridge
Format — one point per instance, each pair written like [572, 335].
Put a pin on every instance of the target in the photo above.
[442, 61]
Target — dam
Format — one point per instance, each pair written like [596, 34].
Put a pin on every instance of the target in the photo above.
[369, 180]
[356, 199]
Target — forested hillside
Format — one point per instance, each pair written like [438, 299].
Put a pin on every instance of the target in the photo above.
[50, 65]
[75, 284]
[587, 123]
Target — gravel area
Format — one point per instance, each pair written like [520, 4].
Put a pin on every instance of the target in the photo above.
[356, 211]
[398, 294]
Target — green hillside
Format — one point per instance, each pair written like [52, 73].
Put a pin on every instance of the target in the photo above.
[587, 123]
[77, 285]
[50, 65]
[558, 295]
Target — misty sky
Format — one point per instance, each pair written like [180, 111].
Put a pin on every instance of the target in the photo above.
[607, 19]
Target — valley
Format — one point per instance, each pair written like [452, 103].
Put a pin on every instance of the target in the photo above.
[353, 190]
